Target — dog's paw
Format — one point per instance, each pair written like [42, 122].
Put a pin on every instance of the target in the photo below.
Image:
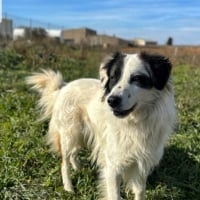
[69, 188]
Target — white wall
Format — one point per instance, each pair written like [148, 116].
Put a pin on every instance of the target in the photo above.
[18, 33]
[54, 33]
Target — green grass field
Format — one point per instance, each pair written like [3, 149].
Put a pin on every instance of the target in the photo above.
[29, 171]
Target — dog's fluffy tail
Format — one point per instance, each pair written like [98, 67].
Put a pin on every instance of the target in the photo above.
[47, 83]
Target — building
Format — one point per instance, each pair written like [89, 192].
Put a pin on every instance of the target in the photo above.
[143, 42]
[54, 33]
[18, 33]
[107, 41]
[6, 28]
[91, 38]
[77, 36]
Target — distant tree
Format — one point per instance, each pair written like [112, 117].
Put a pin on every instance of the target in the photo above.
[35, 33]
[169, 41]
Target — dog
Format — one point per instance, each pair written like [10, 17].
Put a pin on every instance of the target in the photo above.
[125, 117]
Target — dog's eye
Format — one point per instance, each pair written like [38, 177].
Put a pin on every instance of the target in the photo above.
[112, 77]
[136, 78]
[141, 80]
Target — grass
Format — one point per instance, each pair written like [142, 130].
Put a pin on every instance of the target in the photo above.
[29, 171]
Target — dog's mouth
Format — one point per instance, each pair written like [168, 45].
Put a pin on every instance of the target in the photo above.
[123, 113]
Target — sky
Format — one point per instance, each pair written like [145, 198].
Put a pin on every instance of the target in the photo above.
[149, 19]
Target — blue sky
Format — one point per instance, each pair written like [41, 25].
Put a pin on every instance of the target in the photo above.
[149, 19]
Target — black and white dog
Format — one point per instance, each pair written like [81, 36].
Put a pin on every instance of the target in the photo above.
[125, 118]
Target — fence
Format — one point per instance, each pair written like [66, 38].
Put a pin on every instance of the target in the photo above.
[30, 23]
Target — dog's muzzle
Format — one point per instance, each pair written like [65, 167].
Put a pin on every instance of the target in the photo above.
[115, 103]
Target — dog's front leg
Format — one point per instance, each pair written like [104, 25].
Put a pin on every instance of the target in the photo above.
[111, 179]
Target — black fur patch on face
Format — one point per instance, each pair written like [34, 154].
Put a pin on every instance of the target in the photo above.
[141, 80]
[159, 69]
[114, 68]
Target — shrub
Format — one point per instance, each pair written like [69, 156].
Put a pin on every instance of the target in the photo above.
[10, 59]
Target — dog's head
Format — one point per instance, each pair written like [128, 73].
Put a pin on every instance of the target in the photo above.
[133, 80]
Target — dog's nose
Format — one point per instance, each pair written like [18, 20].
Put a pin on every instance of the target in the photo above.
[114, 101]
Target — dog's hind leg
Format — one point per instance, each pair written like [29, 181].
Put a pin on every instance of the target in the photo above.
[70, 141]
[66, 149]
[66, 175]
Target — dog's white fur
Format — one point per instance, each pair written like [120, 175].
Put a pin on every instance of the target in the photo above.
[124, 148]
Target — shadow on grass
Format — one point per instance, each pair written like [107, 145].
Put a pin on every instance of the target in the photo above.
[177, 177]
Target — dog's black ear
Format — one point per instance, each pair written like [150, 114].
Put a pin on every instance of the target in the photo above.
[110, 71]
[159, 68]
